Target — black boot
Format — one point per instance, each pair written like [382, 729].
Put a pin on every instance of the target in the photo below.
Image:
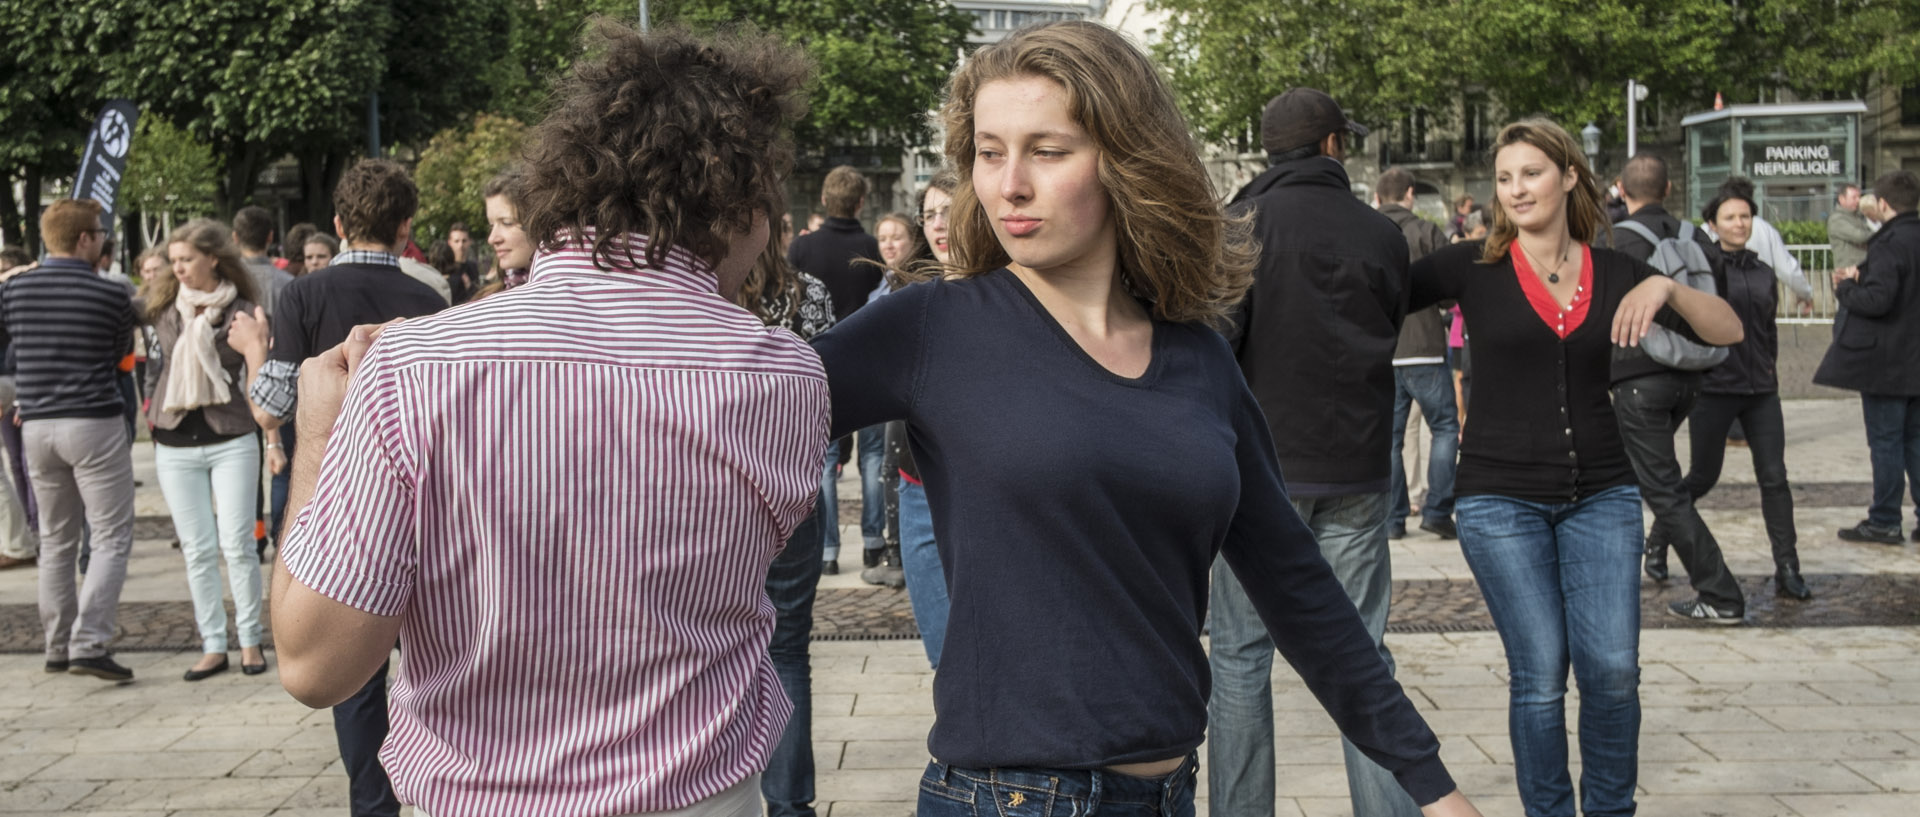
[1787, 582]
[1656, 556]
[870, 557]
[889, 572]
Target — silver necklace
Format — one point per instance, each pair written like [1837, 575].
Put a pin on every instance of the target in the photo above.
[1561, 261]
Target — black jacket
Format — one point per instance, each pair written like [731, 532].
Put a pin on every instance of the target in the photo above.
[1632, 362]
[831, 254]
[1747, 284]
[1316, 334]
[1876, 335]
[1424, 334]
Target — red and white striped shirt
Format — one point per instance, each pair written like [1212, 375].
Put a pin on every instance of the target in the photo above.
[570, 494]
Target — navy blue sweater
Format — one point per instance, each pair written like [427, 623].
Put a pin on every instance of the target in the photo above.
[1077, 514]
[68, 328]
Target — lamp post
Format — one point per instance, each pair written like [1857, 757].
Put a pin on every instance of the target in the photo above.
[1590, 138]
[1635, 94]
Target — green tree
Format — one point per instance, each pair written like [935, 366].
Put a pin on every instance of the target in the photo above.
[1379, 58]
[170, 177]
[1570, 60]
[454, 169]
[437, 54]
[49, 95]
[1819, 48]
[252, 80]
[1565, 59]
[882, 63]
[542, 40]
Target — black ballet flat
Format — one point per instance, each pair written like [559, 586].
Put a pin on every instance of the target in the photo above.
[201, 674]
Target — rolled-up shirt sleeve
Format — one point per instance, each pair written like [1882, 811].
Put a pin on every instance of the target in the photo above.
[354, 541]
[275, 390]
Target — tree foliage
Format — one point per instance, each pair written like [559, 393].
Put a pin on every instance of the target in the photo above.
[253, 80]
[437, 58]
[170, 175]
[882, 64]
[1566, 59]
[542, 40]
[454, 169]
[1380, 58]
[1570, 60]
[1819, 48]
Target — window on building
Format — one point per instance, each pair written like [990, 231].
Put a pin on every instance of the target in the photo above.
[1000, 20]
[1413, 136]
[1478, 128]
[1910, 105]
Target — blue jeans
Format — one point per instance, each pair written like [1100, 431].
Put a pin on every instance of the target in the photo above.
[873, 491]
[926, 581]
[280, 483]
[1431, 385]
[792, 580]
[1352, 531]
[1893, 444]
[946, 791]
[360, 727]
[1562, 581]
[211, 491]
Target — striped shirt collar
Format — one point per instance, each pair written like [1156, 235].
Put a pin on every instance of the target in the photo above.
[679, 269]
[67, 263]
[378, 258]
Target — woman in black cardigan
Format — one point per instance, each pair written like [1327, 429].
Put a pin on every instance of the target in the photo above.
[1548, 510]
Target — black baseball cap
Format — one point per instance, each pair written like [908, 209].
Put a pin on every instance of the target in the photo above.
[1302, 117]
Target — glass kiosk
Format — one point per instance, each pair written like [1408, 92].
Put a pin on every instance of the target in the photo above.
[1798, 155]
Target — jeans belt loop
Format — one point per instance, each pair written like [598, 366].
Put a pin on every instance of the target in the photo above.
[1094, 780]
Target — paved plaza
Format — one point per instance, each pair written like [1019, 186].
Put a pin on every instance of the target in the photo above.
[1753, 721]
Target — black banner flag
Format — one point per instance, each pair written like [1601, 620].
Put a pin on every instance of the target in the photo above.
[105, 161]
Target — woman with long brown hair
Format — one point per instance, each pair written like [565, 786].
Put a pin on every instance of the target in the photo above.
[206, 444]
[1548, 509]
[1065, 363]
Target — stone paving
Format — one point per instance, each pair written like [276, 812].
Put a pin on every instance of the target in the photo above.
[1788, 720]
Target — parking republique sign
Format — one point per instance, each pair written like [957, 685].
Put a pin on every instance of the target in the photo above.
[1794, 160]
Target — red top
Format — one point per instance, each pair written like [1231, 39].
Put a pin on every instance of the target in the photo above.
[1562, 320]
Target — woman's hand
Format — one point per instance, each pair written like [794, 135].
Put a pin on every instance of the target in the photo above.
[276, 459]
[1637, 309]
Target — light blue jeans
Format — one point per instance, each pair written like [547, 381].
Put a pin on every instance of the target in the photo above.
[926, 580]
[211, 491]
[1352, 532]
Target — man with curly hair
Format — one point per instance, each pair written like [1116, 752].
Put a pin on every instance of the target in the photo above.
[564, 498]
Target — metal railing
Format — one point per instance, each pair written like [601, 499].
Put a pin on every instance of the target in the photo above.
[1816, 262]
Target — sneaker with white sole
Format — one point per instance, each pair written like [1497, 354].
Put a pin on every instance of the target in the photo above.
[1698, 610]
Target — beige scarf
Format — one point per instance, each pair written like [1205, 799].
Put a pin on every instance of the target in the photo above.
[195, 377]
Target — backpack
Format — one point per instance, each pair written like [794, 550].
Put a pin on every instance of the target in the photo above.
[1682, 259]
